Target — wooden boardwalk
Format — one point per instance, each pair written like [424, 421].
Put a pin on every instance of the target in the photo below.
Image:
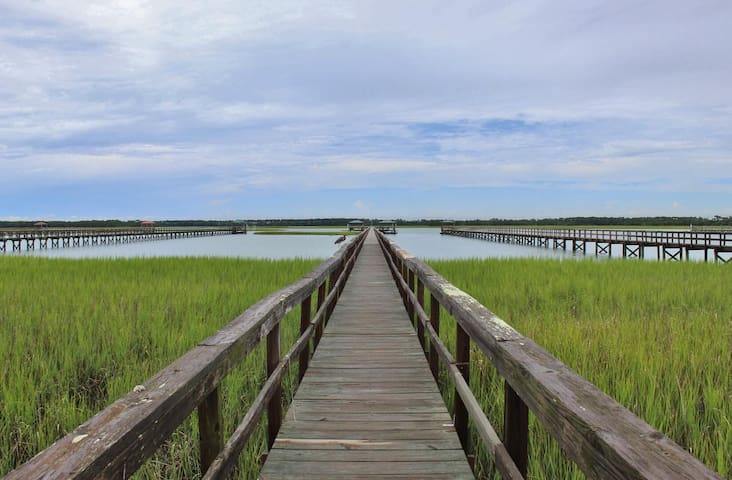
[368, 406]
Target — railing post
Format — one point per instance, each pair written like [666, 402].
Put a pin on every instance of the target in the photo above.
[462, 359]
[331, 284]
[402, 271]
[410, 307]
[435, 321]
[274, 407]
[516, 428]
[420, 300]
[210, 428]
[339, 271]
[319, 328]
[304, 324]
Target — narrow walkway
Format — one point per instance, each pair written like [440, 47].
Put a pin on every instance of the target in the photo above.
[368, 407]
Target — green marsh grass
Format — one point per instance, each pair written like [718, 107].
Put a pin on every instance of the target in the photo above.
[655, 336]
[78, 334]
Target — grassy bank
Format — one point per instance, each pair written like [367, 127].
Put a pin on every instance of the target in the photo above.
[655, 336]
[79, 334]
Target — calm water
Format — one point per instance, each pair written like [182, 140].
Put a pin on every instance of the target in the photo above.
[425, 243]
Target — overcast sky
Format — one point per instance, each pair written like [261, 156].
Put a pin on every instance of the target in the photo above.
[254, 109]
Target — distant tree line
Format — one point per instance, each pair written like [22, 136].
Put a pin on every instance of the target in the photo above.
[341, 222]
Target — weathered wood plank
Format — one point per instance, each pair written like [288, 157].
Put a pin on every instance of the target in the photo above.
[352, 476]
[442, 417]
[374, 455]
[365, 389]
[371, 435]
[396, 398]
[415, 468]
[210, 428]
[349, 425]
[355, 444]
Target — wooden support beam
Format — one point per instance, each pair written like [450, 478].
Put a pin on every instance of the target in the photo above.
[516, 428]
[331, 282]
[435, 322]
[462, 361]
[274, 406]
[305, 308]
[210, 428]
[410, 307]
[319, 329]
[420, 300]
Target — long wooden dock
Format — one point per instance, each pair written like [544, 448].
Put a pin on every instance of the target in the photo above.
[368, 406]
[29, 239]
[668, 244]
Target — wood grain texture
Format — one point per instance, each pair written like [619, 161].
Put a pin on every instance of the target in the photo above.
[368, 406]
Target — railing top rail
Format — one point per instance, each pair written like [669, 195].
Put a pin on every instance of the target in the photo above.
[604, 438]
[127, 432]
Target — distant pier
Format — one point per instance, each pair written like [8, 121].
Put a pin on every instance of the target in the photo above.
[668, 244]
[30, 239]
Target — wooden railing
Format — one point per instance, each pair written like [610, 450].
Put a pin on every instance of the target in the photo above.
[118, 440]
[601, 436]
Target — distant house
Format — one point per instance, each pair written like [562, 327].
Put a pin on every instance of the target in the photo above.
[40, 225]
[147, 224]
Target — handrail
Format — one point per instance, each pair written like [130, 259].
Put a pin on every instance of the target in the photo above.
[601, 436]
[115, 442]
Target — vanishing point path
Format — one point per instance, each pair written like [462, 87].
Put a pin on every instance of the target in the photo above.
[368, 406]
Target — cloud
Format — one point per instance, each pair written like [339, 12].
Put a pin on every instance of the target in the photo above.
[290, 95]
[374, 165]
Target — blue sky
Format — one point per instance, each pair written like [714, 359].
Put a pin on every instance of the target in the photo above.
[412, 109]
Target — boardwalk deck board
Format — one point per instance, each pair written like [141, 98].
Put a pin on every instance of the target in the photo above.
[367, 406]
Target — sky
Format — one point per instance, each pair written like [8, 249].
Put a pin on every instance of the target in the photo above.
[380, 109]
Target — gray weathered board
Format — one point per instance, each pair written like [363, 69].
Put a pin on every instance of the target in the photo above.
[367, 406]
